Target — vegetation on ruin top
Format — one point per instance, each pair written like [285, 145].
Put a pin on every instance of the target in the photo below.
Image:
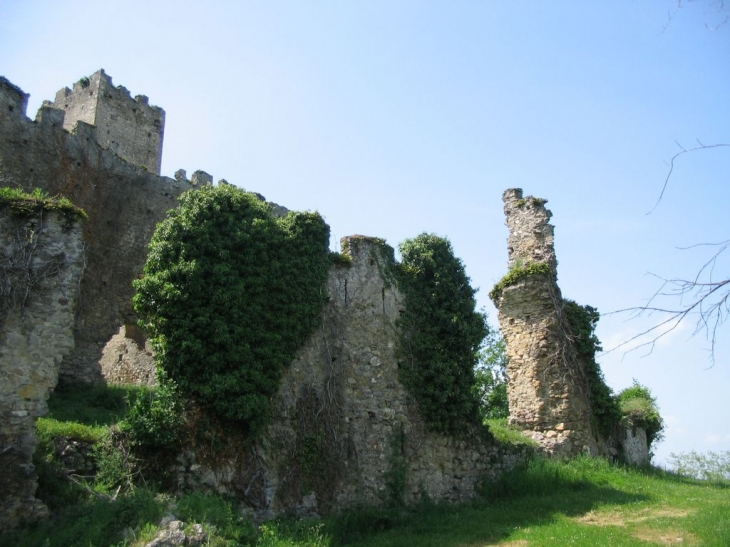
[27, 204]
[518, 273]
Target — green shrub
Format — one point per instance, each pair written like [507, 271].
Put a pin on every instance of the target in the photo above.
[229, 295]
[213, 510]
[155, 417]
[639, 409]
[441, 333]
[90, 405]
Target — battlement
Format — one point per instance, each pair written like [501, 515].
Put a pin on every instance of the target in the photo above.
[130, 127]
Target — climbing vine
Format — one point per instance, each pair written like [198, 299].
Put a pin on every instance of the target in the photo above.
[229, 294]
[582, 321]
[441, 333]
[21, 269]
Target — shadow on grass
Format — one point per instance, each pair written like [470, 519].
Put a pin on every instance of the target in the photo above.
[530, 497]
[90, 405]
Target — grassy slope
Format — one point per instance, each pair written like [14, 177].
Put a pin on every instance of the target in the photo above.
[584, 502]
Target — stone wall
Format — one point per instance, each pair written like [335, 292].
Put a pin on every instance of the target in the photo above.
[547, 390]
[35, 334]
[62, 153]
[124, 203]
[344, 430]
[131, 128]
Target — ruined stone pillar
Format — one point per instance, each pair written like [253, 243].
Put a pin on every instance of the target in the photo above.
[41, 263]
[547, 388]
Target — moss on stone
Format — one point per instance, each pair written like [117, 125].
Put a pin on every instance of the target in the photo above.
[518, 273]
[29, 204]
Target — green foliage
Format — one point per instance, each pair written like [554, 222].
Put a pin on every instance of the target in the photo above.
[605, 408]
[93, 523]
[90, 405]
[396, 476]
[441, 333]
[712, 466]
[507, 434]
[516, 274]
[229, 294]
[639, 409]
[26, 204]
[284, 534]
[215, 511]
[49, 428]
[491, 378]
[155, 417]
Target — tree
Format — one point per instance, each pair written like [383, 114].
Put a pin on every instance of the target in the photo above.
[704, 299]
[720, 12]
[441, 333]
[713, 466]
[491, 377]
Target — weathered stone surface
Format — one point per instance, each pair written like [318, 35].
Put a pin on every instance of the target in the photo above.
[343, 424]
[344, 429]
[174, 534]
[635, 446]
[131, 128]
[547, 390]
[124, 203]
[35, 334]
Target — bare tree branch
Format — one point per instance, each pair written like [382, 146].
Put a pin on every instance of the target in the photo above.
[704, 298]
[684, 150]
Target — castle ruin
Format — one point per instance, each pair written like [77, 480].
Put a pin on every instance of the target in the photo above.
[102, 149]
[547, 389]
[131, 128]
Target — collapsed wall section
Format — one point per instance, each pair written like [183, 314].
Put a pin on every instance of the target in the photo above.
[547, 389]
[344, 430]
[41, 264]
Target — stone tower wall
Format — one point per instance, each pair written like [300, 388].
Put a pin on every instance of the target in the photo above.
[124, 203]
[130, 127]
[547, 389]
[35, 335]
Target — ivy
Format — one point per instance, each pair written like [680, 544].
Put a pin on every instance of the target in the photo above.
[229, 295]
[441, 333]
[516, 274]
[605, 408]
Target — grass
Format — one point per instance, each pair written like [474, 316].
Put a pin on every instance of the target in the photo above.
[583, 502]
[506, 434]
[28, 203]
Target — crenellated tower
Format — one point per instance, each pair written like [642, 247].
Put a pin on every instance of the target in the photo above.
[130, 127]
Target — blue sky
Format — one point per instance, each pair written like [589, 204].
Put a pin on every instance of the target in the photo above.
[392, 118]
